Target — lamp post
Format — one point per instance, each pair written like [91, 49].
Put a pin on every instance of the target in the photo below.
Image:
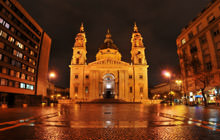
[167, 74]
[51, 76]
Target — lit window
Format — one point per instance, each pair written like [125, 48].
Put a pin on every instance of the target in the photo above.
[1, 56]
[5, 70]
[12, 72]
[4, 82]
[18, 74]
[7, 25]
[11, 39]
[31, 87]
[23, 76]
[183, 41]
[31, 53]
[86, 89]
[1, 20]
[3, 34]
[19, 45]
[23, 66]
[22, 85]
[20, 55]
[32, 71]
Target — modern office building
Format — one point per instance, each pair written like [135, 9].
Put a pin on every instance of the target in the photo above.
[24, 56]
[108, 76]
[198, 47]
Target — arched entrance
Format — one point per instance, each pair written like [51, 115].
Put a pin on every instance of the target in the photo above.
[108, 86]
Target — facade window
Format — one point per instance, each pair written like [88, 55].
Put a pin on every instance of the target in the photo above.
[6, 59]
[1, 20]
[4, 70]
[1, 56]
[203, 39]
[3, 34]
[30, 87]
[18, 74]
[23, 76]
[22, 85]
[23, 66]
[17, 84]
[13, 62]
[25, 57]
[209, 66]
[130, 76]
[141, 90]
[77, 60]
[140, 61]
[76, 76]
[11, 39]
[2, 45]
[130, 89]
[141, 76]
[76, 89]
[190, 35]
[211, 18]
[11, 83]
[32, 70]
[31, 53]
[87, 90]
[12, 72]
[215, 32]
[87, 76]
[4, 82]
[19, 45]
[183, 41]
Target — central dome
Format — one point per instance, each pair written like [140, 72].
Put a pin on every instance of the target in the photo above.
[108, 42]
[108, 50]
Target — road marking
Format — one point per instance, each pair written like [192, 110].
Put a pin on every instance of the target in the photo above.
[25, 121]
[199, 123]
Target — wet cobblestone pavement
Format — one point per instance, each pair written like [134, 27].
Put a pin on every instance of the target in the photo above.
[110, 121]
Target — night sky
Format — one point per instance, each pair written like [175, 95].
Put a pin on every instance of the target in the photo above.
[159, 22]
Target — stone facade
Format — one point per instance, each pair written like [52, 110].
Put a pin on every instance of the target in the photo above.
[198, 48]
[108, 76]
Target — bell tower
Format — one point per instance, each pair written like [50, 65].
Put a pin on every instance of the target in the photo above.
[79, 48]
[138, 49]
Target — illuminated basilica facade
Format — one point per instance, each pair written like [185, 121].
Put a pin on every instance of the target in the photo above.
[108, 76]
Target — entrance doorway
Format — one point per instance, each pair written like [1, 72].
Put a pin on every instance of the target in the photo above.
[108, 86]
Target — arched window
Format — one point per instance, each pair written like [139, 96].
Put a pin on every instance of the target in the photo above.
[140, 60]
[77, 60]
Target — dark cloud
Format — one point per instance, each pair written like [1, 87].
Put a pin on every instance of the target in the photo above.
[159, 21]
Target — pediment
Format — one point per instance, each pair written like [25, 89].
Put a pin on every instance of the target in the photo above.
[108, 62]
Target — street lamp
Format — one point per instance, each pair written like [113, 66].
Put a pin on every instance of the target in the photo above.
[51, 76]
[167, 74]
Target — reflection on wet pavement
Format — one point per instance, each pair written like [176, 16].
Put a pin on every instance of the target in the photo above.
[178, 120]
